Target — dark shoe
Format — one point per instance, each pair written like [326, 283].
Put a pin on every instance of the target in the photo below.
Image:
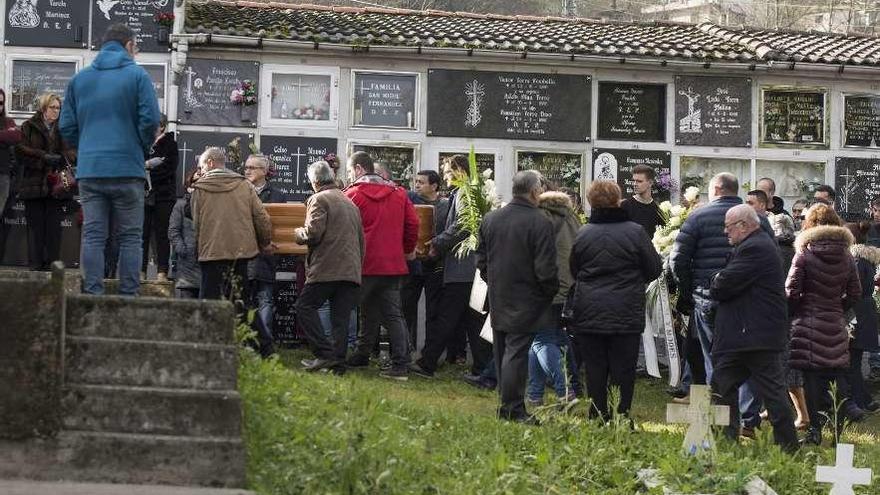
[396, 373]
[813, 437]
[477, 381]
[747, 432]
[677, 393]
[855, 413]
[317, 364]
[872, 406]
[420, 371]
[357, 362]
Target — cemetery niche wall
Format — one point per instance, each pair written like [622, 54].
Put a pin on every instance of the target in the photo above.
[207, 93]
[47, 23]
[384, 99]
[713, 111]
[400, 159]
[145, 18]
[617, 165]
[632, 111]
[560, 169]
[861, 120]
[857, 182]
[191, 144]
[27, 79]
[794, 116]
[290, 158]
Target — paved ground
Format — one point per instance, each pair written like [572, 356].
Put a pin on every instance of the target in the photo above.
[21, 487]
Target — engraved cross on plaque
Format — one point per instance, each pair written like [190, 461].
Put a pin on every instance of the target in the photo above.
[298, 156]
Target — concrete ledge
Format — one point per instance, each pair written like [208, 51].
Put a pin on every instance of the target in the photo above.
[15, 487]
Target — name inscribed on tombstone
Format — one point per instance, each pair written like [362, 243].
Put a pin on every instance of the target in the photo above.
[32, 78]
[509, 105]
[385, 100]
[191, 144]
[617, 165]
[632, 112]
[713, 111]
[793, 116]
[205, 94]
[560, 169]
[861, 121]
[398, 159]
[139, 15]
[292, 156]
[857, 182]
[50, 23]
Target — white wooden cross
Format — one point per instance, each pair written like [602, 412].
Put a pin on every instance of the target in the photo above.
[843, 476]
[700, 414]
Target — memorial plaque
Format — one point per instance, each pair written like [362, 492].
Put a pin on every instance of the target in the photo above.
[485, 161]
[303, 97]
[399, 160]
[632, 112]
[157, 75]
[861, 121]
[292, 156]
[191, 144]
[617, 165]
[385, 100]
[139, 15]
[284, 324]
[509, 105]
[560, 169]
[713, 111]
[32, 78]
[49, 23]
[14, 235]
[857, 182]
[206, 88]
[793, 116]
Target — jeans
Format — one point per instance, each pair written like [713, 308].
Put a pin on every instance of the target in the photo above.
[324, 315]
[546, 360]
[380, 302]
[342, 297]
[263, 300]
[704, 319]
[123, 201]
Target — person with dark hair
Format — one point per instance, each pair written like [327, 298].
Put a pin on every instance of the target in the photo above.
[757, 199]
[112, 141]
[822, 284]
[517, 259]
[182, 235]
[162, 167]
[391, 230]
[10, 135]
[40, 154]
[425, 273]
[641, 207]
[864, 335]
[825, 194]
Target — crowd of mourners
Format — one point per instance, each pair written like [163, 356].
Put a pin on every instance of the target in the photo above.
[773, 307]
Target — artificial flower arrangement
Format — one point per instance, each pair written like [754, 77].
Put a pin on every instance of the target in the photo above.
[245, 94]
[164, 19]
[477, 196]
[674, 215]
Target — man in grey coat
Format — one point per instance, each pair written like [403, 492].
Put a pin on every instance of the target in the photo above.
[517, 258]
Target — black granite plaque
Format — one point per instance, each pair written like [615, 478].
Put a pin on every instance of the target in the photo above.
[191, 144]
[291, 157]
[50, 23]
[14, 234]
[713, 111]
[509, 105]
[157, 75]
[32, 78]
[857, 182]
[560, 169]
[398, 160]
[205, 94]
[385, 100]
[140, 15]
[632, 112]
[617, 165]
[861, 121]
[793, 116]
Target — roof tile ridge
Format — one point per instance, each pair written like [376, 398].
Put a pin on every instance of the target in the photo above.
[761, 49]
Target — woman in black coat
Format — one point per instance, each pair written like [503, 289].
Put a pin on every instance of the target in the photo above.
[612, 261]
[864, 336]
[159, 202]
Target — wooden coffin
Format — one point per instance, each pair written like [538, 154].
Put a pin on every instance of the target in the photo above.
[285, 218]
[426, 228]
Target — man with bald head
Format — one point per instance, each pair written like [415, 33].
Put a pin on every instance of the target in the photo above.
[750, 324]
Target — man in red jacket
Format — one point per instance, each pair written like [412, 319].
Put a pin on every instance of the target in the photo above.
[391, 229]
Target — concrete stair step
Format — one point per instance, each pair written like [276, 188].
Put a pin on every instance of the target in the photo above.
[147, 410]
[23, 487]
[145, 363]
[127, 458]
[151, 318]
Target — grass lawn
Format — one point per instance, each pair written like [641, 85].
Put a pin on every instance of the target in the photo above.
[321, 434]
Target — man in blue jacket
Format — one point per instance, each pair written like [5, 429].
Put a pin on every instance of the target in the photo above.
[111, 114]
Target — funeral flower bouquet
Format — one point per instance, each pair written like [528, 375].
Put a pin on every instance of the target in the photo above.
[675, 215]
[476, 197]
[164, 19]
[245, 94]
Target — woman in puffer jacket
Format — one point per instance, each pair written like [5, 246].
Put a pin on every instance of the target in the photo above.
[821, 285]
[864, 337]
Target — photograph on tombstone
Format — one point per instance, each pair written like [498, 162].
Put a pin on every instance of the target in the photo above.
[794, 180]
[302, 96]
[559, 168]
[485, 160]
[191, 144]
[509, 105]
[401, 160]
[47, 23]
[158, 74]
[794, 116]
[697, 171]
[617, 165]
[385, 99]
[713, 111]
[209, 89]
[632, 111]
[857, 182]
[150, 20]
[28, 78]
[861, 120]
[290, 157]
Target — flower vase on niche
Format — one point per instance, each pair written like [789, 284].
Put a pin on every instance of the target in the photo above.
[162, 35]
[248, 113]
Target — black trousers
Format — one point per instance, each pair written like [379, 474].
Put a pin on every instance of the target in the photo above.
[859, 391]
[512, 368]
[817, 392]
[221, 278]
[380, 304]
[343, 297]
[454, 312]
[44, 231]
[156, 218]
[763, 370]
[431, 281]
[609, 360]
[693, 354]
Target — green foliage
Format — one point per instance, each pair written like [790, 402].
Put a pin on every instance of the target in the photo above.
[473, 204]
[361, 434]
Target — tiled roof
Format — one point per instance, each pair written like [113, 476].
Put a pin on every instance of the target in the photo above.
[395, 27]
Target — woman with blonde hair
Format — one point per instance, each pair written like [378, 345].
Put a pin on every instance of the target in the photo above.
[41, 154]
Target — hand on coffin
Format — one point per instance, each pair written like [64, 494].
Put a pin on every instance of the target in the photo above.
[411, 256]
[299, 235]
